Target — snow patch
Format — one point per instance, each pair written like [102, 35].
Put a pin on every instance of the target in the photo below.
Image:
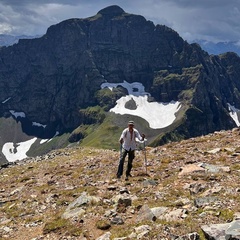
[43, 141]
[6, 100]
[14, 152]
[135, 88]
[38, 124]
[17, 114]
[48, 140]
[234, 113]
[158, 115]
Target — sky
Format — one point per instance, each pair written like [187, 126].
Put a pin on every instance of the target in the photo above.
[210, 20]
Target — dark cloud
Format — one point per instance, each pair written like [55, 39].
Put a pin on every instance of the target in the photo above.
[38, 2]
[204, 4]
[213, 20]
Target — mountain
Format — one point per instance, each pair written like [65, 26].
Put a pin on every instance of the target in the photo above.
[220, 47]
[85, 78]
[188, 190]
[8, 40]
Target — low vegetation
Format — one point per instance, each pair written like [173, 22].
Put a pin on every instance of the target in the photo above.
[34, 194]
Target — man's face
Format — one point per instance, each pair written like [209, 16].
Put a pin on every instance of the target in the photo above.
[130, 126]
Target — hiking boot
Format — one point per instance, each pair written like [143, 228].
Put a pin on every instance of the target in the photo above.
[128, 175]
[126, 179]
[118, 176]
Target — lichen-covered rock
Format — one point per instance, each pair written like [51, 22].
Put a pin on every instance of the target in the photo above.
[222, 231]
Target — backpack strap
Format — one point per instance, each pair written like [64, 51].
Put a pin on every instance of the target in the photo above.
[134, 132]
[125, 134]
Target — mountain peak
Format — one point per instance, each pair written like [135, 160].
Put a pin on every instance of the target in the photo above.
[112, 10]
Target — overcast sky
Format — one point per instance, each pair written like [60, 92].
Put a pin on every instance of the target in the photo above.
[212, 20]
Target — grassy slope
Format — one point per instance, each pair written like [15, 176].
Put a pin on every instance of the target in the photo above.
[107, 134]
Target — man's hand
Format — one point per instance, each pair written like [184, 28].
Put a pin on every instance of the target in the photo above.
[143, 136]
[121, 141]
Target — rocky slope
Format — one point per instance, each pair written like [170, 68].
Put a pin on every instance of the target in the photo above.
[55, 81]
[187, 190]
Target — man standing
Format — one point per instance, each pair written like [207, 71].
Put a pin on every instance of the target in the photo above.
[128, 142]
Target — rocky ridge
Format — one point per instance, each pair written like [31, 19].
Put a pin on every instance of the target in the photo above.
[187, 190]
[54, 81]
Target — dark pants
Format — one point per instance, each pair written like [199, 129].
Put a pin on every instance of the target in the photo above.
[131, 156]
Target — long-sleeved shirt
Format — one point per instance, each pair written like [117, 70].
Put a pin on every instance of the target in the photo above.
[129, 140]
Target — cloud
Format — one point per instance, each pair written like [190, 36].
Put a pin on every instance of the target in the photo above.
[33, 18]
[211, 20]
[18, 20]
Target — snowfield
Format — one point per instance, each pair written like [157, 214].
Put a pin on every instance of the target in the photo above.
[158, 115]
[233, 113]
[18, 152]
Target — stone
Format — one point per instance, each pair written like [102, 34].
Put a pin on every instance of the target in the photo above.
[149, 182]
[233, 230]
[78, 212]
[214, 168]
[123, 190]
[123, 203]
[222, 231]
[112, 188]
[75, 209]
[191, 169]
[142, 228]
[145, 214]
[215, 150]
[215, 231]
[105, 236]
[204, 201]
[117, 221]
[195, 188]
[158, 212]
[175, 215]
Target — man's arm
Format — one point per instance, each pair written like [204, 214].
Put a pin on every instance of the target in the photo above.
[121, 139]
[140, 137]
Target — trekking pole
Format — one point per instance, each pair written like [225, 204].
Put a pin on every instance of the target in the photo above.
[145, 154]
[120, 149]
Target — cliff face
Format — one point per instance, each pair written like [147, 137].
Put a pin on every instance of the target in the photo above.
[58, 74]
[52, 78]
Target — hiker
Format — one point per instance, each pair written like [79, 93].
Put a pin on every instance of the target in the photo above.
[128, 143]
